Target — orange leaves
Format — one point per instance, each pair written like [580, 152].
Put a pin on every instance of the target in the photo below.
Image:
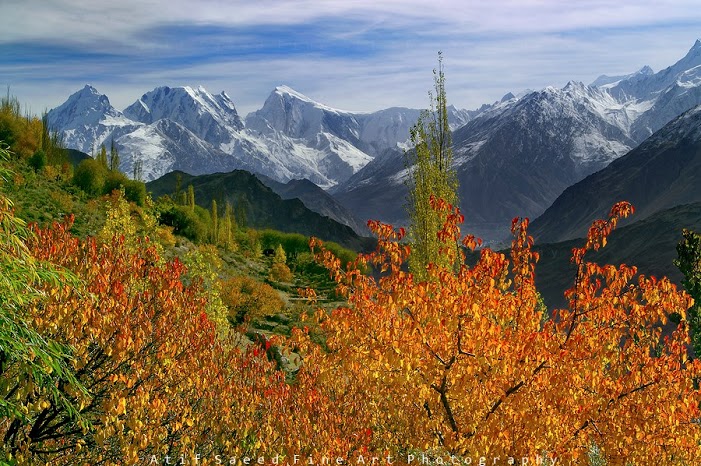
[469, 360]
[142, 344]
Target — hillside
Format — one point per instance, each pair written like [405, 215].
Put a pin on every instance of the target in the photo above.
[263, 208]
[650, 244]
[317, 200]
[663, 172]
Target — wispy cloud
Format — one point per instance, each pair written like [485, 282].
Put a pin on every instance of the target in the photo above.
[359, 55]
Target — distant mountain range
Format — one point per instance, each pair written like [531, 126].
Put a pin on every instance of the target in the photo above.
[518, 155]
[513, 157]
[291, 137]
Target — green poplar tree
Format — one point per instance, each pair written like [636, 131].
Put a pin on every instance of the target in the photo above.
[138, 170]
[227, 227]
[114, 157]
[102, 156]
[215, 222]
[191, 197]
[433, 175]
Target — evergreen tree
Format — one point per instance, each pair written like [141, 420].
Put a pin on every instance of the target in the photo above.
[38, 160]
[689, 264]
[433, 176]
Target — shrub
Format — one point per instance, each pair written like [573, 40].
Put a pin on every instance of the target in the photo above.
[38, 160]
[90, 176]
[249, 299]
[185, 222]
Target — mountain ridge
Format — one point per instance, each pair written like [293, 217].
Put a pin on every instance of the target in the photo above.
[664, 171]
[513, 157]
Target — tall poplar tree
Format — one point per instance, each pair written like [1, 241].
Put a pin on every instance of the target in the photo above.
[191, 197]
[114, 157]
[102, 156]
[215, 223]
[433, 175]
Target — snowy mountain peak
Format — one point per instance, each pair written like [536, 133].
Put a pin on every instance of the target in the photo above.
[209, 117]
[288, 93]
[87, 107]
[697, 45]
[282, 90]
[508, 96]
[645, 71]
[609, 81]
[87, 90]
[691, 59]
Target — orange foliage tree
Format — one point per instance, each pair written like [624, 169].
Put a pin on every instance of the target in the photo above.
[469, 363]
[157, 380]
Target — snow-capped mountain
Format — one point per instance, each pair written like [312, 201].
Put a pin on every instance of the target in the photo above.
[610, 81]
[662, 172]
[515, 157]
[87, 119]
[209, 117]
[333, 144]
[291, 137]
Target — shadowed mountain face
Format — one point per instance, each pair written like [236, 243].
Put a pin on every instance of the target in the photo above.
[263, 207]
[650, 244]
[661, 173]
[317, 200]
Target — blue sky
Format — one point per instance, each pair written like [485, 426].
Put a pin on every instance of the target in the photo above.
[360, 55]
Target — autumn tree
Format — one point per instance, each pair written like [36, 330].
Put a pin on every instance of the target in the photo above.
[432, 175]
[248, 299]
[32, 366]
[158, 380]
[464, 362]
[279, 271]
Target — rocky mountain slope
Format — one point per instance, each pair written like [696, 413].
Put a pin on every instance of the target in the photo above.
[663, 172]
[518, 155]
[263, 208]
